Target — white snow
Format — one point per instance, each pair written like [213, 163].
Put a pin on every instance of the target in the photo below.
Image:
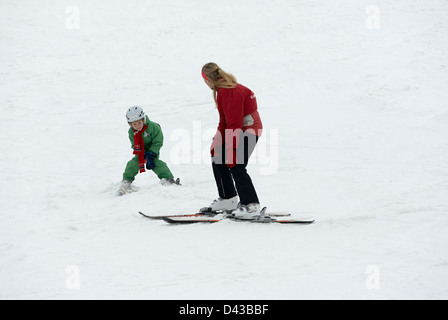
[354, 99]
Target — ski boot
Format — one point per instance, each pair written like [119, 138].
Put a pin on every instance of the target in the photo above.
[251, 211]
[221, 204]
[125, 187]
[166, 182]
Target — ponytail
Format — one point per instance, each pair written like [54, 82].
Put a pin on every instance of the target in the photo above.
[218, 77]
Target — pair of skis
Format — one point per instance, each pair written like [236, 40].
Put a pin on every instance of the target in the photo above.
[213, 217]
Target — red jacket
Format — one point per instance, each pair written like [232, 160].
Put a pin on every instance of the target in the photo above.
[234, 104]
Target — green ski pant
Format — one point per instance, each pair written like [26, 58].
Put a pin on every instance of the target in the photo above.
[161, 170]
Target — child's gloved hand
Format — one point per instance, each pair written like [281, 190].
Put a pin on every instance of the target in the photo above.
[150, 157]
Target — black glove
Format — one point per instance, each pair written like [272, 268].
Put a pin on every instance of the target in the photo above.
[150, 157]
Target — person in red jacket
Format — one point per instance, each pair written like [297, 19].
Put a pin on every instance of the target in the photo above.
[238, 131]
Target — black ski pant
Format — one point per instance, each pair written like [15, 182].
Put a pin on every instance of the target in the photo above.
[225, 176]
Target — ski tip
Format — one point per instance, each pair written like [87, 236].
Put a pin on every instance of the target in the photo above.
[144, 215]
[151, 217]
[171, 221]
[177, 221]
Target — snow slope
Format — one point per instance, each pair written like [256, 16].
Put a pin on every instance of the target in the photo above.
[353, 98]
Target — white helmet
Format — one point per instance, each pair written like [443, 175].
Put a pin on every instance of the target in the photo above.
[135, 113]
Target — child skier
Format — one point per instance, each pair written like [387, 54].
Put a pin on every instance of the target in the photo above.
[238, 131]
[146, 139]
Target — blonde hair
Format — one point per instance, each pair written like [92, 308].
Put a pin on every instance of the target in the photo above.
[219, 78]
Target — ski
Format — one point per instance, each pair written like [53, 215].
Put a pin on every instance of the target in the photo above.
[265, 219]
[199, 214]
[204, 214]
[190, 219]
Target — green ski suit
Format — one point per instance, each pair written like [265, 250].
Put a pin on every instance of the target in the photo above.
[153, 140]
